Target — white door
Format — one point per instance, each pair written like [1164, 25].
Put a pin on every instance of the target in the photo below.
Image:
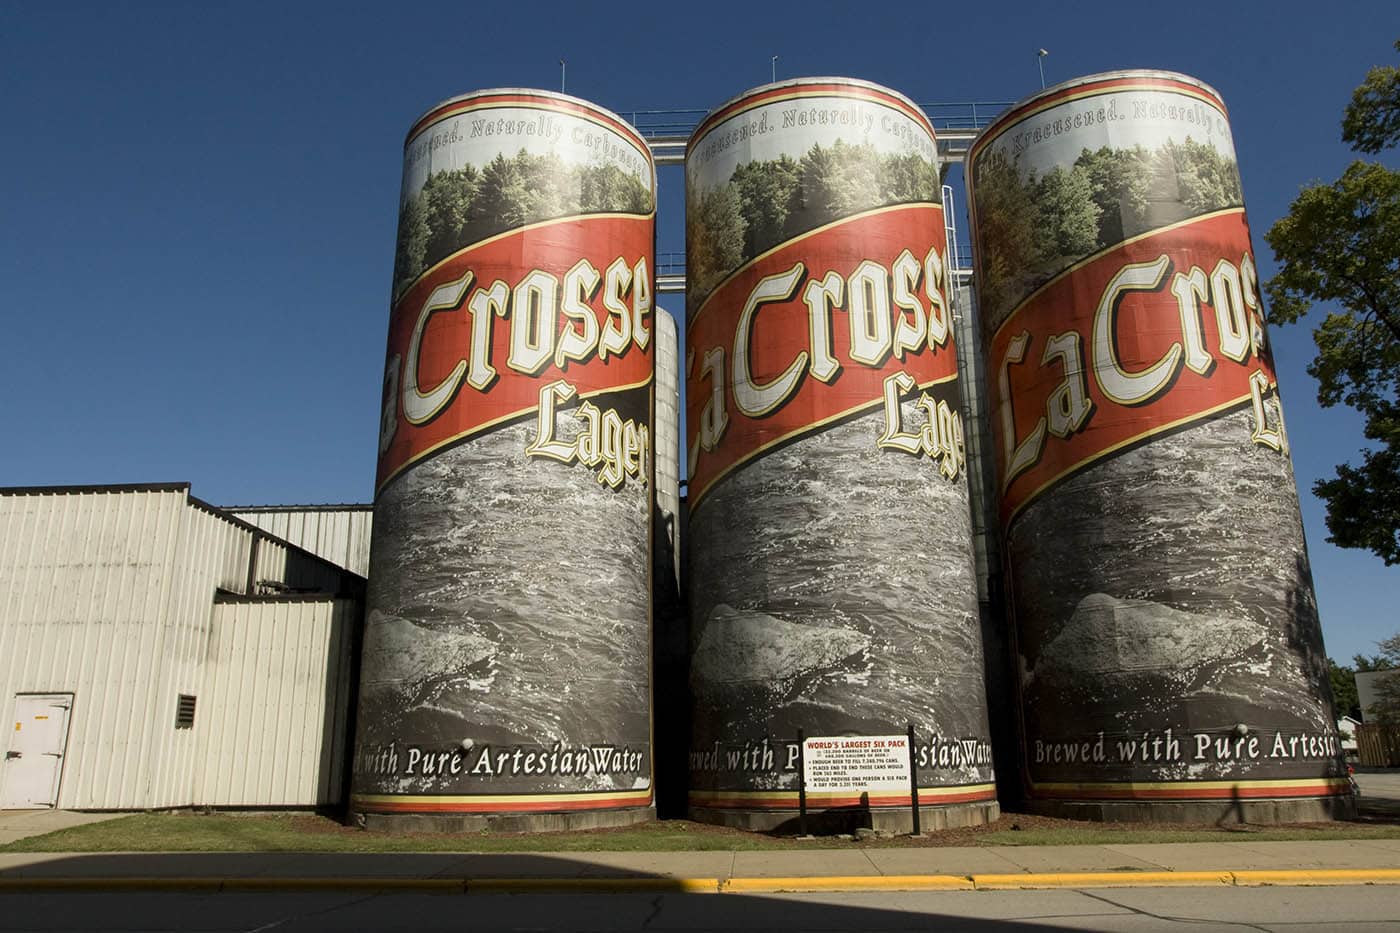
[34, 758]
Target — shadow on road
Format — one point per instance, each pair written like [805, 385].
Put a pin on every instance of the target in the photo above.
[385, 909]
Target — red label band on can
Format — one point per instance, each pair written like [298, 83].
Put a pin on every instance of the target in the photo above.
[1149, 336]
[1167, 637]
[831, 587]
[813, 332]
[506, 665]
[484, 339]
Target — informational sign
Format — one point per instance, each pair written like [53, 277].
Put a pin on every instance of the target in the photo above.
[852, 764]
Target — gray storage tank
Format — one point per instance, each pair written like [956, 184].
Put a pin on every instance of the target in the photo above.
[506, 668]
[1170, 655]
[831, 582]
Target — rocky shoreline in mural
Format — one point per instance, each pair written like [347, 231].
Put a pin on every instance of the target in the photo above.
[1165, 622]
[868, 624]
[468, 645]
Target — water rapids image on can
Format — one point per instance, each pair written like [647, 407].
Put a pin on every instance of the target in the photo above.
[506, 655]
[831, 583]
[1168, 640]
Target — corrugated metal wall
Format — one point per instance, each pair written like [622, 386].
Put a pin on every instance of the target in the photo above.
[276, 696]
[87, 585]
[284, 569]
[108, 594]
[339, 533]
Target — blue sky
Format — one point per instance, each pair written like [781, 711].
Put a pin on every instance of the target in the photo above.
[197, 201]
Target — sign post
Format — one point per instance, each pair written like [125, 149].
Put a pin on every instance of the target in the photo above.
[801, 784]
[913, 783]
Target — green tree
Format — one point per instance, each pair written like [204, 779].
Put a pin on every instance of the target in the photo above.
[1387, 660]
[1067, 219]
[1372, 120]
[814, 199]
[447, 197]
[833, 182]
[1006, 231]
[909, 178]
[412, 249]
[638, 198]
[1205, 180]
[1386, 707]
[550, 189]
[1340, 245]
[854, 182]
[502, 199]
[1118, 182]
[765, 193]
[1344, 689]
[714, 239]
[608, 189]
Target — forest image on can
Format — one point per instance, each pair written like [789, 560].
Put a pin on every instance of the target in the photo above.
[506, 664]
[831, 582]
[1168, 640]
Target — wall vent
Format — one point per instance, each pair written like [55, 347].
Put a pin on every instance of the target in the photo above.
[184, 712]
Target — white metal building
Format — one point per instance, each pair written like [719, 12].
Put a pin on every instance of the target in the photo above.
[338, 533]
[158, 652]
[1368, 690]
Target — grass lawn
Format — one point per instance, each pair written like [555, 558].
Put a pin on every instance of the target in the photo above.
[226, 832]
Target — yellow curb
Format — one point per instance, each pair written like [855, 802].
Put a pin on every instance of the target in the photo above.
[429, 885]
[1100, 879]
[982, 882]
[110, 884]
[848, 883]
[1307, 876]
[592, 885]
[447, 885]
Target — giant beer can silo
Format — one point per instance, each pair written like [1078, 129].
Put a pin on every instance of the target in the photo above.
[1170, 655]
[830, 571]
[507, 642]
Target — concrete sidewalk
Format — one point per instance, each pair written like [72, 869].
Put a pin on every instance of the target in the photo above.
[21, 824]
[1206, 863]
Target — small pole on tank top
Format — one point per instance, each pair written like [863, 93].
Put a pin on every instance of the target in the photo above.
[914, 782]
[801, 784]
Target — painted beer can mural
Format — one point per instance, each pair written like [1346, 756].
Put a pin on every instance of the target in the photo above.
[830, 575]
[1160, 593]
[507, 642]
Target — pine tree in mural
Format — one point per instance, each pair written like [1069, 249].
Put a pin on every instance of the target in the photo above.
[714, 238]
[1034, 226]
[458, 207]
[767, 203]
[1119, 181]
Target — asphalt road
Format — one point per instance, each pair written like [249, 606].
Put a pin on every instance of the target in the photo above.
[1199, 910]
[1380, 794]
[1380, 784]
